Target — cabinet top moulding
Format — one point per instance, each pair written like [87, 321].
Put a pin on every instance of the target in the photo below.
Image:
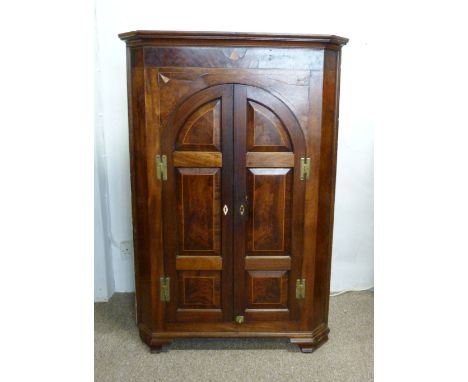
[161, 38]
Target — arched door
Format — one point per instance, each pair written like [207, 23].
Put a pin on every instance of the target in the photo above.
[269, 198]
[197, 233]
[233, 209]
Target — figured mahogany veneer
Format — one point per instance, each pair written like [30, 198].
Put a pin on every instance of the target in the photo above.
[235, 225]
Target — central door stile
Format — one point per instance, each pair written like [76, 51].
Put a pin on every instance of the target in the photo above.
[227, 200]
[239, 176]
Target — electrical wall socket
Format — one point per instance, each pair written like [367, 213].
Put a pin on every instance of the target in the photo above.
[126, 248]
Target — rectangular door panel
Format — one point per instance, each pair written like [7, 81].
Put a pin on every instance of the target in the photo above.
[199, 211]
[269, 224]
[267, 289]
[199, 289]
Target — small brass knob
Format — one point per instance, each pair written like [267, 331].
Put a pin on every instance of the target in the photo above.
[239, 319]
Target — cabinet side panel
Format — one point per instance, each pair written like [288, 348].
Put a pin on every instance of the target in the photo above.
[153, 205]
[136, 119]
[313, 137]
[328, 152]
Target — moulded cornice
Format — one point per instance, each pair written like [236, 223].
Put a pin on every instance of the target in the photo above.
[146, 37]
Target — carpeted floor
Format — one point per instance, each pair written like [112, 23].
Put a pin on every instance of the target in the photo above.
[120, 356]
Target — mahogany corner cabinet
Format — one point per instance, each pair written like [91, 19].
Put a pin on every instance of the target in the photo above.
[233, 142]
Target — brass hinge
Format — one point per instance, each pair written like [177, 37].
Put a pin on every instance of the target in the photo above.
[305, 168]
[161, 167]
[165, 289]
[300, 289]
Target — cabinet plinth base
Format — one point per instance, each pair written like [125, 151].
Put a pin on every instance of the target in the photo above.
[309, 345]
[308, 342]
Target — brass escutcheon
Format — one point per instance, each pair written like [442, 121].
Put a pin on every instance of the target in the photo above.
[239, 319]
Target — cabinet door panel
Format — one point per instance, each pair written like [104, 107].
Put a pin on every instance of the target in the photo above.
[202, 129]
[267, 289]
[199, 211]
[199, 289]
[269, 224]
[197, 234]
[265, 132]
